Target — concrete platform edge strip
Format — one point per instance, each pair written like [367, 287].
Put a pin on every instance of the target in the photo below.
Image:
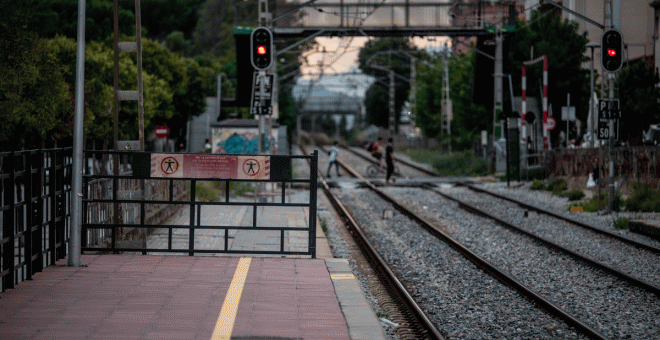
[362, 321]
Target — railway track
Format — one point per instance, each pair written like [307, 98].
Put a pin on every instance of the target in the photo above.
[554, 244]
[487, 267]
[412, 322]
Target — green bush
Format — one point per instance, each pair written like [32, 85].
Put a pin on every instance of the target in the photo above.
[557, 185]
[622, 223]
[214, 191]
[534, 173]
[573, 194]
[592, 204]
[644, 198]
[537, 185]
[453, 164]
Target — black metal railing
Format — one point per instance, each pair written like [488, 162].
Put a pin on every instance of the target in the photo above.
[128, 224]
[34, 210]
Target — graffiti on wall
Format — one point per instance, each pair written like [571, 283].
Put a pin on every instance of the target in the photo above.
[238, 141]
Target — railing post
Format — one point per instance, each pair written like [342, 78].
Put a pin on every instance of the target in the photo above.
[27, 221]
[312, 203]
[191, 230]
[8, 251]
[52, 192]
[39, 212]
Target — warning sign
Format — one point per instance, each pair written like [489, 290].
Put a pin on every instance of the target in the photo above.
[210, 166]
[254, 167]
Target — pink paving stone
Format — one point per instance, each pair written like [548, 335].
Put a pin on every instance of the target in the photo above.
[163, 297]
[170, 336]
[275, 332]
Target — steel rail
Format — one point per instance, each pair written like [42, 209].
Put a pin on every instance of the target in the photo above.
[398, 159]
[632, 280]
[489, 268]
[622, 238]
[415, 315]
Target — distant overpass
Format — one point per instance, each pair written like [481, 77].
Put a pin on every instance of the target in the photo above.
[392, 18]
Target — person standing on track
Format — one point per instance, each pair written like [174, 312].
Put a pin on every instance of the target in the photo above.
[377, 153]
[332, 159]
[389, 159]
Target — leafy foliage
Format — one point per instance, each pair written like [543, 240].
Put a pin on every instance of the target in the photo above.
[593, 204]
[377, 58]
[574, 194]
[455, 164]
[644, 198]
[537, 185]
[214, 33]
[622, 223]
[560, 41]
[469, 118]
[640, 98]
[35, 100]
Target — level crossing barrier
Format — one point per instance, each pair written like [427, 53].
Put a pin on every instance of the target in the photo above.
[35, 211]
[117, 209]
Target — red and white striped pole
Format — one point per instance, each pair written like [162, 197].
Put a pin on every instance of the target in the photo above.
[545, 102]
[523, 135]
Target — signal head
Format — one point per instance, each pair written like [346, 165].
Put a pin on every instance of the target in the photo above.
[261, 48]
[612, 47]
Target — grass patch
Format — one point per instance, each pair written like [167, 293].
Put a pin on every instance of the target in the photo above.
[573, 194]
[557, 186]
[383, 314]
[534, 173]
[537, 185]
[463, 163]
[206, 192]
[622, 223]
[213, 191]
[644, 199]
[324, 227]
[592, 204]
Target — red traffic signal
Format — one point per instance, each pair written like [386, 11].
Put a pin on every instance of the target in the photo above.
[261, 48]
[612, 45]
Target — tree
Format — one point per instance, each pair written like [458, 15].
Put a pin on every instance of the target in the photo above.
[214, 33]
[639, 96]
[35, 100]
[50, 18]
[560, 41]
[469, 118]
[377, 57]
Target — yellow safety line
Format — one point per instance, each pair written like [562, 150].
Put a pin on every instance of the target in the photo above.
[227, 317]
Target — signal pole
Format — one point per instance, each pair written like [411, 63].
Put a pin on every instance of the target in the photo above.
[497, 107]
[392, 113]
[611, 18]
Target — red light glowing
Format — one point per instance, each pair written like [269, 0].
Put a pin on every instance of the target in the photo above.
[611, 52]
[261, 50]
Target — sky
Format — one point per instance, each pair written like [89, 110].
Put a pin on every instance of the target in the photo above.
[342, 53]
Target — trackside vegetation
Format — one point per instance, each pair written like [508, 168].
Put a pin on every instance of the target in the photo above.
[463, 163]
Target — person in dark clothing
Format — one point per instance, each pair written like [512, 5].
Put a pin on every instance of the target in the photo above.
[389, 159]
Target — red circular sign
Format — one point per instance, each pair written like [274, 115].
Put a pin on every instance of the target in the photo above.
[251, 167]
[162, 131]
[552, 123]
[169, 165]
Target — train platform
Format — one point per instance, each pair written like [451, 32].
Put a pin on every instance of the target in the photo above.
[134, 296]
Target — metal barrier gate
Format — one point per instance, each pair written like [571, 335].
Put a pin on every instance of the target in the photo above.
[118, 210]
[35, 189]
